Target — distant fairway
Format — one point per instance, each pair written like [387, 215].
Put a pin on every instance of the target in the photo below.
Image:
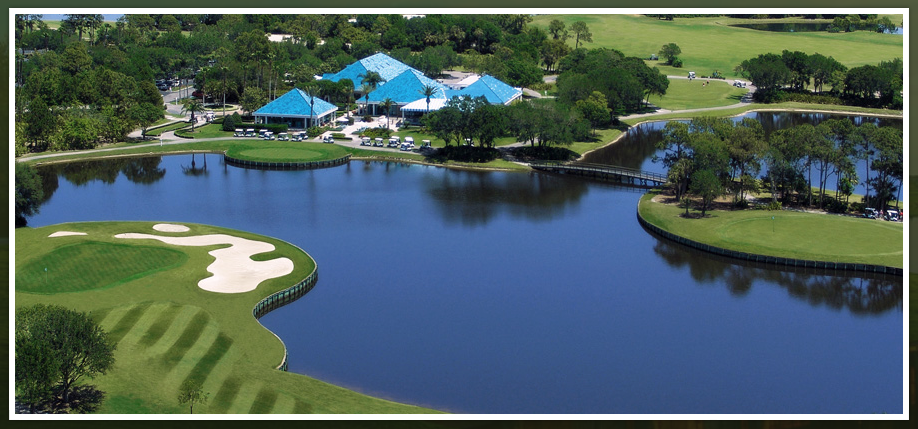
[709, 43]
[811, 236]
[167, 329]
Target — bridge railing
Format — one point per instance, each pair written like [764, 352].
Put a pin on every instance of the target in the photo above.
[603, 168]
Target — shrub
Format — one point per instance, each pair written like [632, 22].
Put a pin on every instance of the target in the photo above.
[314, 131]
[677, 62]
[545, 153]
[275, 128]
[376, 132]
[464, 154]
[229, 124]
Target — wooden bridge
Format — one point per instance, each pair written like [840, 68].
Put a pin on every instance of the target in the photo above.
[603, 172]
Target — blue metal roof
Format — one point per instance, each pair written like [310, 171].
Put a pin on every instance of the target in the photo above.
[495, 91]
[407, 87]
[386, 66]
[296, 104]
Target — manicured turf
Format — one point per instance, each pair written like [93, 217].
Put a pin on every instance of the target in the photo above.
[168, 330]
[285, 151]
[791, 234]
[88, 265]
[685, 94]
[709, 44]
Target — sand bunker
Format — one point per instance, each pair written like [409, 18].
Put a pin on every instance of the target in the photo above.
[66, 233]
[234, 271]
[169, 227]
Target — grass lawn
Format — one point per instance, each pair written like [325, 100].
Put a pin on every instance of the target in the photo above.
[684, 94]
[144, 293]
[285, 151]
[709, 44]
[791, 234]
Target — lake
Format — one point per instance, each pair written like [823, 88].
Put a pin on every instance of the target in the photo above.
[492, 292]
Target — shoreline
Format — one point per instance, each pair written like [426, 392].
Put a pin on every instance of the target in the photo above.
[644, 118]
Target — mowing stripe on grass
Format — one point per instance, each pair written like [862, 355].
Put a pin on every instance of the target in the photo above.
[160, 326]
[180, 372]
[226, 395]
[186, 313]
[189, 337]
[302, 407]
[206, 364]
[126, 323]
[283, 405]
[264, 401]
[99, 315]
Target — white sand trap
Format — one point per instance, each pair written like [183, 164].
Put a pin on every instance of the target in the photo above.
[170, 227]
[234, 271]
[66, 233]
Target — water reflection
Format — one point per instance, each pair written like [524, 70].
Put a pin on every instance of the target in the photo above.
[194, 170]
[868, 293]
[475, 198]
[141, 170]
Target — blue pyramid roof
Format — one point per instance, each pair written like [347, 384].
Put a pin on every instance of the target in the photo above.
[386, 66]
[407, 87]
[492, 89]
[296, 103]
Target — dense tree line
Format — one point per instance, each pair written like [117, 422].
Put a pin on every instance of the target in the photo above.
[736, 153]
[776, 76]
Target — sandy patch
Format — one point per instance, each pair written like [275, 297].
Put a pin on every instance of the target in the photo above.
[65, 233]
[169, 227]
[233, 270]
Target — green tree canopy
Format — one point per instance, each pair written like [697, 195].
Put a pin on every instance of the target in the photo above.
[55, 348]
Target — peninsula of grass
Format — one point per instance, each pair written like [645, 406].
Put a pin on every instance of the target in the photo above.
[145, 294]
[791, 234]
[685, 94]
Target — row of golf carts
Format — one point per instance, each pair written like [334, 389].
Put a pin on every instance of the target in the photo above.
[269, 135]
[394, 142]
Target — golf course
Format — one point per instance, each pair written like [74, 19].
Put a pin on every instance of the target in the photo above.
[782, 233]
[152, 299]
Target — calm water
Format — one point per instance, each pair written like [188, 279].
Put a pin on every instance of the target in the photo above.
[638, 145]
[521, 293]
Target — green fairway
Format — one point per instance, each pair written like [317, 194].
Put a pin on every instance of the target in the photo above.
[275, 151]
[684, 94]
[709, 44]
[790, 234]
[167, 329]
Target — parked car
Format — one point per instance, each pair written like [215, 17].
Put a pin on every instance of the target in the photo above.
[870, 213]
[238, 132]
[197, 94]
[377, 142]
[328, 139]
[365, 141]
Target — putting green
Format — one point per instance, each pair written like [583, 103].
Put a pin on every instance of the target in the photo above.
[286, 152]
[92, 265]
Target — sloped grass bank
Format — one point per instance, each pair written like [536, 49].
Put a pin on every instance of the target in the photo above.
[169, 330]
[785, 234]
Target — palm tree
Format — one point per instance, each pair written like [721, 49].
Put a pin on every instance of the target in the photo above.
[366, 90]
[387, 105]
[371, 78]
[192, 105]
[427, 91]
[311, 91]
